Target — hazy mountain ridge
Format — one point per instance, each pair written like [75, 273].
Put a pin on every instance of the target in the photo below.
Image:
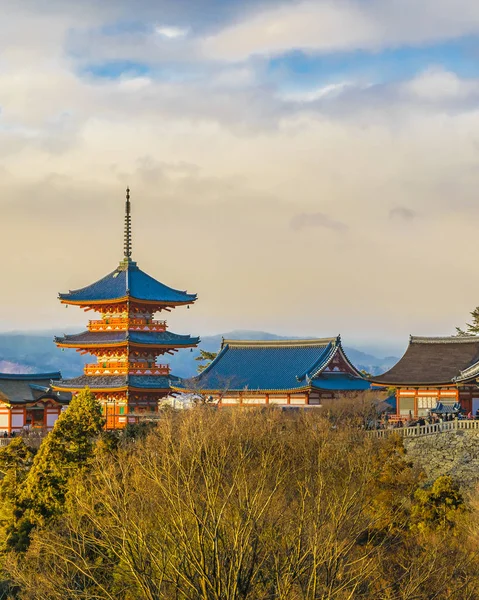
[36, 352]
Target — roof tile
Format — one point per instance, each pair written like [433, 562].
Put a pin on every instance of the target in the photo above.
[128, 280]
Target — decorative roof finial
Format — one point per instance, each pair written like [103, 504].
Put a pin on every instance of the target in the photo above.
[127, 246]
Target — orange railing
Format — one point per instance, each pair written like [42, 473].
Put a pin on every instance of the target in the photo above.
[122, 368]
[118, 324]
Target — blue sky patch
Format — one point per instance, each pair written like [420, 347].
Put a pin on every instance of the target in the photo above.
[300, 70]
[116, 69]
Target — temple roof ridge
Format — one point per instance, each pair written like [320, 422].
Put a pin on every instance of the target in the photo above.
[281, 343]
[450, 339]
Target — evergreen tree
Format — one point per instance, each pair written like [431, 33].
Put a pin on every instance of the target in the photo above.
[67, 449]
[439, 506]
[473, 327]
[205, 357]
[15, 462]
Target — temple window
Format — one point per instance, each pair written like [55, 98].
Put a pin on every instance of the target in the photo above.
[406, 405]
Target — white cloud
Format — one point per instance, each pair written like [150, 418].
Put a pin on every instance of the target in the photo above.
[327, 26]
[439, 85]
[135, 84]
[171, 32]
[223, 172]
[327, 91]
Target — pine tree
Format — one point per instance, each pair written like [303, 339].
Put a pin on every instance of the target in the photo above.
[207, 357]
[471, 328]
[15, 462]
[438, 507]
[67, 449]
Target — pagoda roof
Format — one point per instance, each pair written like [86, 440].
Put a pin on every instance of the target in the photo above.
[128, 281]
[435, 361]
[100, 338]
[100, 382]
[286, 365]
[28, 387]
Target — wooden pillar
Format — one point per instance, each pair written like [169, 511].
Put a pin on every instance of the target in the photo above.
[267, 398]
[288, 401]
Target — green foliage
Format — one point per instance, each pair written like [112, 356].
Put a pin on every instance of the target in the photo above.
[205, 357]
[473, 327]
[391, 391]
[138, 431]
[15, 462]
[395, 481]
[67, 449]
[439, 506]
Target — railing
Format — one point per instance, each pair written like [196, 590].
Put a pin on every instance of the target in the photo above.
[420, 430]
[137, 368]
[125, 324]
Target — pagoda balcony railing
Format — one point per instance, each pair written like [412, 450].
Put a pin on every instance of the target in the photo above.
[125, 324]
[123, 368]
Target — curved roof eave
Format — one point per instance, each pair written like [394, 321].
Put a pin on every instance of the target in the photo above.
[438, 354]
[127, 282]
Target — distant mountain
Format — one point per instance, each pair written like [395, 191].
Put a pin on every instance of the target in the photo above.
[36, 352]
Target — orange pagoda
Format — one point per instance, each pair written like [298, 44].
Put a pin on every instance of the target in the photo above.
[126, 340]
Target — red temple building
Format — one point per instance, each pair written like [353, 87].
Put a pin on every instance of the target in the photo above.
[435, 374]
[27, 402]
[126, 340]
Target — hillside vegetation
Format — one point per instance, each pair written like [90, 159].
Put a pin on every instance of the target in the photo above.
[217, 504]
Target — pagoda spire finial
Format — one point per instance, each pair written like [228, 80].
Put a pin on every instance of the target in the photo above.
[127, 244]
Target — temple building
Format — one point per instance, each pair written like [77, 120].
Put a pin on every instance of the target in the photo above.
[126, 340]
[433, 371]
[28, 402]
[285, 372]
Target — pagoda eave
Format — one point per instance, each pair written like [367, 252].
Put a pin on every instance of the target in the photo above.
[124, 300]
[93, 388]
[152, 347]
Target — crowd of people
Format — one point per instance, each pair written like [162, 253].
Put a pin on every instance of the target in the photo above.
[387, 422]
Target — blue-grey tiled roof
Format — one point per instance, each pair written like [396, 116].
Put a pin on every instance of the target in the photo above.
[128, 280]
[443, 409]
[31, 377]
[257, 365]
[22, 388]
[158, 338]
[341, 382]
[114, 381]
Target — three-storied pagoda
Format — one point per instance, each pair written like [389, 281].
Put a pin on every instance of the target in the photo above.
[126, 340]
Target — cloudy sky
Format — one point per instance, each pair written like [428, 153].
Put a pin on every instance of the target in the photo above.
[306, 167]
